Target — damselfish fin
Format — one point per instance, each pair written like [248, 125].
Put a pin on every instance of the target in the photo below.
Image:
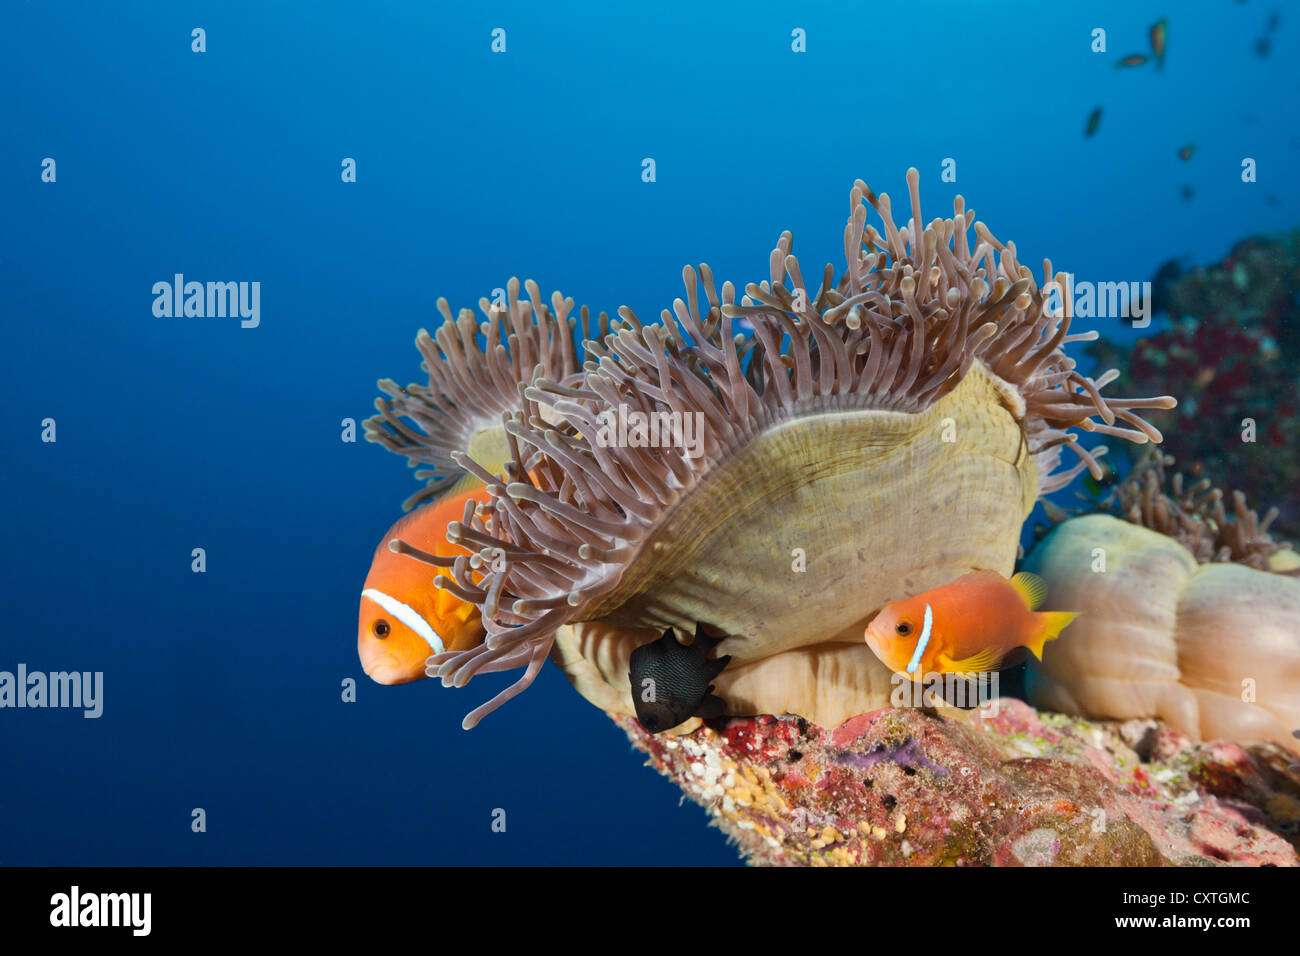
[711, 706]
[1031, 587]
[703, 642]
[1052, 623]
[985, 660]
[713, 668]
[1013, 657]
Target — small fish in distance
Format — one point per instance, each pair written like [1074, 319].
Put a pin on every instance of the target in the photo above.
[1094, 123]
[1159, 34]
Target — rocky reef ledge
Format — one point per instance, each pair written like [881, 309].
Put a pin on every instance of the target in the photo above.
[1020, 788]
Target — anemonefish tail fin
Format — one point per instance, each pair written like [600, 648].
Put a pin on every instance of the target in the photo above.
[1030, 587]
[1053, 623]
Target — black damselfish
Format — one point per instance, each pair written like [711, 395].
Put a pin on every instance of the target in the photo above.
[671, 681]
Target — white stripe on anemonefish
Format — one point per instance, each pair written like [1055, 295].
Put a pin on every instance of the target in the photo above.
[408, 616]
[922, 641]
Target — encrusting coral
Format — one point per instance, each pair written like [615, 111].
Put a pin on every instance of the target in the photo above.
[875, 436]
[1011, 787]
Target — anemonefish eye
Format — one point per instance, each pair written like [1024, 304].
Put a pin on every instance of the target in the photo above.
[380, 629]
[903, 629]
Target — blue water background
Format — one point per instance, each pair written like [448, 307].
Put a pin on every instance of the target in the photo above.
[223, 689]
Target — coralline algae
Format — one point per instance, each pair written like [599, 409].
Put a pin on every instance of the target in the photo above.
[908, 787]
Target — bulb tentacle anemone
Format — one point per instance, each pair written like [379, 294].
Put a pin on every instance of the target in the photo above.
[921, 316]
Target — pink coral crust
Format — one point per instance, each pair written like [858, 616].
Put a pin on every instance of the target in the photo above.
[906, 787]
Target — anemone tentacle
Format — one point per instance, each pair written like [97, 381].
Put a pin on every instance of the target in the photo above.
[471, 385]
[1191, 511]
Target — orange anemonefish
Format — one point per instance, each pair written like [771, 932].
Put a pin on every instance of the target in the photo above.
[965, 627]
[405, 618]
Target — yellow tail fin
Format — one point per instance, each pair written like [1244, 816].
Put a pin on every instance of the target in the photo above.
[1052, 623]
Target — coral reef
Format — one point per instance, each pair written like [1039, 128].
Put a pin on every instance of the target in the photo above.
[968, 788]
[1230, 351]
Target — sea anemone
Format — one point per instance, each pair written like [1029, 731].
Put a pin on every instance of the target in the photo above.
[874, 436]
[1191, 512]
[475, 373]
[1186, 613]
